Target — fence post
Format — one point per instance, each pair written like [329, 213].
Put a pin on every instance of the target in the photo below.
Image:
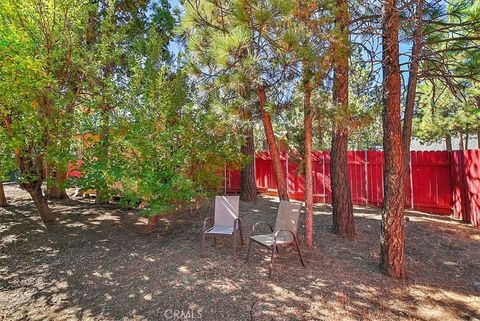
[255, 168]
[314, 175]
[225, 180]
[286, 170]
[411, 181]
[366, 177]
[323, 178]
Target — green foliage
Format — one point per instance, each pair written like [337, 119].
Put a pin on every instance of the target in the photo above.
[162, 129]
[153, 145]
[70, 70]
[441, 113]
[179, 150]
[38, 42]
[448, 91]
[365, 104]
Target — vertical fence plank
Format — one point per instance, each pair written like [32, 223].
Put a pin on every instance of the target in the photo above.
[466, 192]
[324, 186]
[473, 183]
[438, 182]
[365, 165]
[410, 180]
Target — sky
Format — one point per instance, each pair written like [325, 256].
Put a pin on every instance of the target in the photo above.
[174, 3]
[174, 46]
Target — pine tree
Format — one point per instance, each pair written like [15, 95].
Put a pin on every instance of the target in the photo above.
[343, 221]
[226, 55]
[392, 257]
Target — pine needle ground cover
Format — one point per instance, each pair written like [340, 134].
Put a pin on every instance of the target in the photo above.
[102, 263]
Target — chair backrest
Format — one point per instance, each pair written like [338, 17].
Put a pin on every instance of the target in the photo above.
[226, 210]
[288, 216]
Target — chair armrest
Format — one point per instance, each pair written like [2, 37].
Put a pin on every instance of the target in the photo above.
[210, 218]
[277, 232]
[259, 223]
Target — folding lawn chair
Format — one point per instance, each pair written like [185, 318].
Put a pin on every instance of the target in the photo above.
[225, 222]
[284, 234]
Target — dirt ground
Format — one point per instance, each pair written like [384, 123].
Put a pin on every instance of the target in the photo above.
[102, 263]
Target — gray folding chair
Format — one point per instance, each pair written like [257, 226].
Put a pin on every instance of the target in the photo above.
[284, 234]
[225, 222]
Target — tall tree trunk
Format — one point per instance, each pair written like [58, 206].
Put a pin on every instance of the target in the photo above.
[477, 100]
[61, 179]
[412, 88]
[248, 186]
[460, 141]
[308, 125]
[467, 138]
[101, 197]
[32, 168]
[478, 136]
[56, 189]
[392, 255]
[50, 179]
[3, 199]
[343, 220]
[41, 204]
[272, 145]
[448, 142]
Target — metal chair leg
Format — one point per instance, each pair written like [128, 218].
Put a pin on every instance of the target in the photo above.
[248, 251]
[271, 261]
[203, 242]
[234, 235]
[299, 252]
[241, 233]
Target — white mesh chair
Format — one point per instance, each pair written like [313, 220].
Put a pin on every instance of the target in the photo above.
[225, 222]
[284, 234]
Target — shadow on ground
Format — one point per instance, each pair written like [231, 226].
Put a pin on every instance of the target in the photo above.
[102, 263]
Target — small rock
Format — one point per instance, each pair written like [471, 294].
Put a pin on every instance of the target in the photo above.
[476, 285]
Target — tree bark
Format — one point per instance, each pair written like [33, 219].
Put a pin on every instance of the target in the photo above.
[55, 188]
[33, 168]
[467, 138]
[448, 142]
[477, 100]
[412, 88]
[272, 145]
[41, 204]
[152, 222]
[308, 126]
[3, 199]
[392, 255]
[460, 141]
[343, 220]
[100, 197]
[248, 186]
[478, 137]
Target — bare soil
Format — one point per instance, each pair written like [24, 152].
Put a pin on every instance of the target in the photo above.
[102, 263]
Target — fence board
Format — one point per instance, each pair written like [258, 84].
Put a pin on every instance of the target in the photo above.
[466, 182]
[439, 181]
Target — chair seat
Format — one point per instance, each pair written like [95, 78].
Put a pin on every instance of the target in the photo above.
[268, 239]
[218, 229]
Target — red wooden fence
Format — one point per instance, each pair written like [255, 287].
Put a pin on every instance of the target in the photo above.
[466, 187]
[440, 182]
